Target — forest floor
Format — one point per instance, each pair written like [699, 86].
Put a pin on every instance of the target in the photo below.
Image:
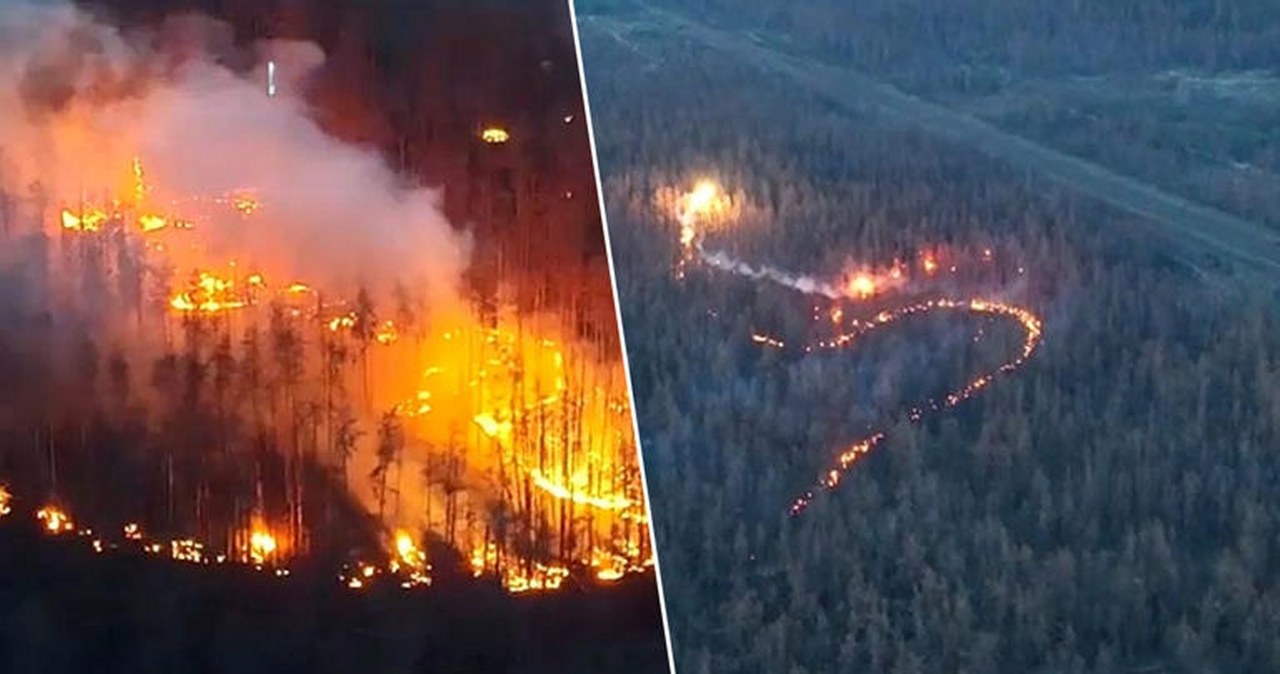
[65, 609]
[1204, 236]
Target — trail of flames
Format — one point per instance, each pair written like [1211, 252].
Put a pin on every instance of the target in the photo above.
[703, 200]
[211, 292]
[1033, 333]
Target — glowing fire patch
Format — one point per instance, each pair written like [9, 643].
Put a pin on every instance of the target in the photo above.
[208, 293]
[705, 202]
[90, 220]
[498, 430]
[495, 135]
[695, 207]
[55, 520]
[152, 223]
[862, 286]
[187, 550]
[246, 204]
[262, 545]
[386, 334]
[552, 405]
[581, 498]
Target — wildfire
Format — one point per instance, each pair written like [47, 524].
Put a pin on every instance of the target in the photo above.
[359, 575]
[536, 577]
[1032, 333]
[408, 550]
[386, 334]
[768, 341]
[559, 421]
[862, 286]
[408, 565]
[6, 501]
[555, 428]
[245, 203]
[410, 561]
[262, 545]
[705, 203]
[208, 293]
[152, 223]
[608, 502]
[55, 520]
[140, 187]
[187, 550]
[344, 322]
[693, 208]
[89, 220]
[609, 568]
[495, 135]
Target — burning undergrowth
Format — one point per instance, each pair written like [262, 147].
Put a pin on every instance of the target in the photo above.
[857, 305]
[223, 324]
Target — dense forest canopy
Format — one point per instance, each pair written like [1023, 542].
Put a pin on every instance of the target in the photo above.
[1034, 38]
[1180, 94]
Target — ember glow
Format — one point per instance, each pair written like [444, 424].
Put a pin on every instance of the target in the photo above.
[263, 547]
[495, 135]
[858, 287]
[55, 520]
[1032, 329]
[862, 286]
[704, 206]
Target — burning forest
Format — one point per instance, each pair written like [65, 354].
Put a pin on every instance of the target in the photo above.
[232, 338]
[861, 300]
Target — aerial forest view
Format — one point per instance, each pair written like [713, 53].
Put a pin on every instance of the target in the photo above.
[952, 328]
[311, 354]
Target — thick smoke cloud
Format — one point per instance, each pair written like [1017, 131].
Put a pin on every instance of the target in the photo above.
[79, 99]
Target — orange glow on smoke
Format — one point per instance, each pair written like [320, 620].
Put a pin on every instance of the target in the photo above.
[509, 407]
[263, 547]
[862, 286]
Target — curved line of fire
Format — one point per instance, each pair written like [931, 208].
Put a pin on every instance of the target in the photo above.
[706, 201]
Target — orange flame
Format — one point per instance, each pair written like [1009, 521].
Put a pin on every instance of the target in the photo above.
[262, 544]
[55, 520]
[495, 135]
[90, 220]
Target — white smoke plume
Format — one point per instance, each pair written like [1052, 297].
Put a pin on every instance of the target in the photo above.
[79, 100]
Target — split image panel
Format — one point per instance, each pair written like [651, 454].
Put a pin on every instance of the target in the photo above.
[311, 352]
[951, 328]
